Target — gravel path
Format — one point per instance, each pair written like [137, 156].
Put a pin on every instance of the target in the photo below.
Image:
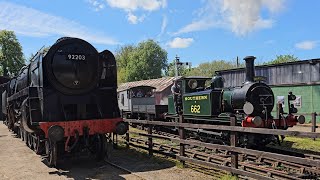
[17, 161]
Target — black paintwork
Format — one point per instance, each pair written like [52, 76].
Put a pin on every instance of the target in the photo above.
[57, 87]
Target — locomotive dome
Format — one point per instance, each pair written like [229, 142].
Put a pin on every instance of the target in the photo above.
[72, 66]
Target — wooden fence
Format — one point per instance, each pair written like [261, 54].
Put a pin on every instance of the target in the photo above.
[233, 148]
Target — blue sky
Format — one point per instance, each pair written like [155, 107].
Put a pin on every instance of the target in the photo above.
[196, 30]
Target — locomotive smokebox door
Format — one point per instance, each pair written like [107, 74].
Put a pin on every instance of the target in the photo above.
[73, 66]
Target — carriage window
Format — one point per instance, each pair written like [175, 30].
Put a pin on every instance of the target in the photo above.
[140, 93]
[122, 99]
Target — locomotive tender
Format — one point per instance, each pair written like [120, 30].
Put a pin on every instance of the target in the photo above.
[65, 100]
[206, 100]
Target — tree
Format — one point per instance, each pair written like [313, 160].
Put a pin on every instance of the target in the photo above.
[208, 69]
[122, 57]
[144, 61]
[11, 56]
[283, 59]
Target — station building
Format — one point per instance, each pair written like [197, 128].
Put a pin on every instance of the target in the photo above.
[302, 78]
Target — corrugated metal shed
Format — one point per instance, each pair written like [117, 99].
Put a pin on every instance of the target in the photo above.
[160, 84]
[293, 73]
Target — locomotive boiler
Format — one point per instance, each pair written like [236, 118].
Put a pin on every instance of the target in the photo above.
[65, 100]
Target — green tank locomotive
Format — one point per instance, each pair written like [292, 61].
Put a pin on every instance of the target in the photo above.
[206, 100]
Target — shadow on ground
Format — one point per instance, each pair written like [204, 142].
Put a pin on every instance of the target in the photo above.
[131, 159]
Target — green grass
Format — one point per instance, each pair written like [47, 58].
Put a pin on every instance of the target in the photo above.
[302, 143]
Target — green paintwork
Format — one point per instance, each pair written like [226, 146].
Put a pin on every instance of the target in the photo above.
[171, 107]
[310, 98]
[198, 104]
[227, 97]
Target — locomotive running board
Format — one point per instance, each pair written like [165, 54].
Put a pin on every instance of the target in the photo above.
[24, 92]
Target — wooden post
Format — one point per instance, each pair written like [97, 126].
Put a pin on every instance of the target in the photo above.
[127, 140]
[313, 122]
[278, 111]
[150, 144]
[233, 143]
[182, 136]
[115, 140]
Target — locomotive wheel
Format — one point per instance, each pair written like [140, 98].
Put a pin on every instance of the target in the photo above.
[52, 153]
[22, 134]
[26, 137]
[38, 146]
[30, 141]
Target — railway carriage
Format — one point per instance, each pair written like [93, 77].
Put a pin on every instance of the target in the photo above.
[139, 102]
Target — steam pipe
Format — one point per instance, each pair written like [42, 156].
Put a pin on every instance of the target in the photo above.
[249, 68]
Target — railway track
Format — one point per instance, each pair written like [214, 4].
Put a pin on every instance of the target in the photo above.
[265, 166]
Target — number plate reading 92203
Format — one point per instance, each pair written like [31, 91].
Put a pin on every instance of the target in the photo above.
[77, 57]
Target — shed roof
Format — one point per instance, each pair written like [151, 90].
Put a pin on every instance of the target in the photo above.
[305, 72]
[160, 84]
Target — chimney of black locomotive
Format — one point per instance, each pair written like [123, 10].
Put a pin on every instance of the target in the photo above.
[249, 68]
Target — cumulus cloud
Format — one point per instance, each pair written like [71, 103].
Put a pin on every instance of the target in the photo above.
[133, 5]
[306, 45]
[180, 42]
[240, 16]
[30, 22]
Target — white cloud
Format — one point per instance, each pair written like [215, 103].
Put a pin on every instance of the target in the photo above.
[164, 25]
[133, 19]
[196, 26]
[306, 45]
[240, 16]
[133, 5]
[97, 4]
[180, 42]
[269, 42]
[30, 22]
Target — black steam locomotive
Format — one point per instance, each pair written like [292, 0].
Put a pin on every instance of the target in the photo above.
[65, 100]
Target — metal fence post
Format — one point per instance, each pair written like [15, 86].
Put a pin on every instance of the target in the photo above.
[313, 122]
[233, 142]
[182, 136]
[150, 143]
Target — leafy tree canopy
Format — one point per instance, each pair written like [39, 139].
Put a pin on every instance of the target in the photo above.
[11, 56]
[283, 59]
[144, 61]
[208, 69]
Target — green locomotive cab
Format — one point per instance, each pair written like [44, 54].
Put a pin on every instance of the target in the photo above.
[193, 89]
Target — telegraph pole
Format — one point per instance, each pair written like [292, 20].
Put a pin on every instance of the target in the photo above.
[178, 64]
